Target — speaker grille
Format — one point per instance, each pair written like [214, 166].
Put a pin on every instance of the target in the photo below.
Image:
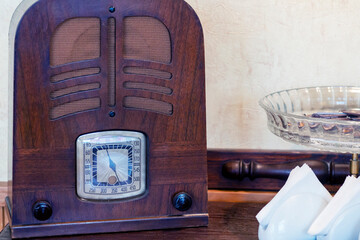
[146, 38]
[75, 40]
[78, 39]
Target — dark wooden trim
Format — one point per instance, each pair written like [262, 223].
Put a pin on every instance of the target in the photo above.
[218, 158]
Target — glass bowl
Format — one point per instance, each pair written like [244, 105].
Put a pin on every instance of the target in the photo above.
[290, 115]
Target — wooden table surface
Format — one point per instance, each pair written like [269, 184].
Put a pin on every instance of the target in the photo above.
[228, 220]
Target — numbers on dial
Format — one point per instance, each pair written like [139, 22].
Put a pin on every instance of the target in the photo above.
[111, 165]
[112, 168]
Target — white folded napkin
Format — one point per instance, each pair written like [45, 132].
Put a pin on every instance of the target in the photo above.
[290, 213]
[300, 180]
[345, 202]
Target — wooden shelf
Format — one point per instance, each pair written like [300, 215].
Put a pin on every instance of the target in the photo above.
[232, 216]
[240, 196]
[228, 220]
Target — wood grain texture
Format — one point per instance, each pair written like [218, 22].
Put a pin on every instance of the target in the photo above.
[217, 158]
[213, 196]
[44, 148]
[228, 221]
[240, 196]
[3, 192]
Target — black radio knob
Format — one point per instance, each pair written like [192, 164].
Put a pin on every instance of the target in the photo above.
[182, 201]
[42, 210]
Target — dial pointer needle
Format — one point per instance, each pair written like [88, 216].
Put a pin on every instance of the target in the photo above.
[112, 166]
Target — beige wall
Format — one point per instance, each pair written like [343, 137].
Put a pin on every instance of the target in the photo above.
[253, 47]
[6, 10]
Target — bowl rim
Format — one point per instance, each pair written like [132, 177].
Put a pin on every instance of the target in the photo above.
[272, 110]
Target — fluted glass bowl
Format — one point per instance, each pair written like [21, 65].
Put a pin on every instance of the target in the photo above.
[290, 116]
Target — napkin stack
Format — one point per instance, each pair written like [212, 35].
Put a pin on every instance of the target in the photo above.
[291, 212]
[340, 219]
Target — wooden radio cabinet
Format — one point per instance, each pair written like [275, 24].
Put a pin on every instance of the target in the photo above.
[108, 117]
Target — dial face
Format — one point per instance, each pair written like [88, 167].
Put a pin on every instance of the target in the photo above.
[111, 165]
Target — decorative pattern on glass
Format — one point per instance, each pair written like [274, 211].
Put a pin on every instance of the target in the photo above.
[111, 165]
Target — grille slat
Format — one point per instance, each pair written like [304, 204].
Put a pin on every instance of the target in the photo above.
[148, 87]
[74, 74]
[75, 89]
[148, 72]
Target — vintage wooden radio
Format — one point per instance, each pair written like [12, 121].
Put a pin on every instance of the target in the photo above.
[108, 124]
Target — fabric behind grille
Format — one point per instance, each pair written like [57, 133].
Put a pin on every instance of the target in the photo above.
[74, 89]
[74, 74]
[111, 41]
[148, 72]
[146, 38]
[75, 40]
[147, 104]
[148, 87]
[74, 107]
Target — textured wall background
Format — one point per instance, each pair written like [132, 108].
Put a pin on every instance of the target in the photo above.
[253, 47]
[6, 11]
